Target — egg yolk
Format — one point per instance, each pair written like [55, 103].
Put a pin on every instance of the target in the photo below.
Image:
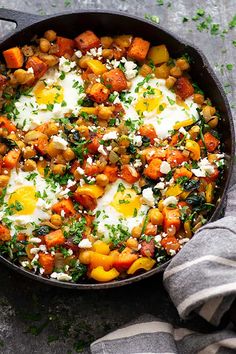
[150, 99]
[48, 94]
[24, 200]
[127, 202]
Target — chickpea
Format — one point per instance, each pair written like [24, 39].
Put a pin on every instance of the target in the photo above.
[44, 45]
[4, 181]
[4, 132]
[3, 149]
[102, 180]
[155, 216]
[12, 80]
[60, 159]
[29, 152]
[56, 220]
[213, 121]
[125, 159]
[83, 61]
[175, 71]
[132, 243]
[29, 165]
[68, 154]
[50, 59]
[208, 111]
[170, 81]
[198, 98]
[183, 64]
[85, 256]
[105, 113]
[20, 76]
[83, 131]
[124, 141]
[106, 42]
[20, 144]
[194, 131]
[107, 53]
[50, 35]
[136, 231]
[52, 129]
[59, 169]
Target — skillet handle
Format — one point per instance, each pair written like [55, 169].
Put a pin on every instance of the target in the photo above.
[21, 19]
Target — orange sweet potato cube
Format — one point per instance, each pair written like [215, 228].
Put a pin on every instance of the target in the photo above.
[138, 49]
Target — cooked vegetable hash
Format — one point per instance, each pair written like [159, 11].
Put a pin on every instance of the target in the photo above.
[109, 156]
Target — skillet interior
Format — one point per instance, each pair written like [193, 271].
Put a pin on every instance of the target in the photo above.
[104, 23]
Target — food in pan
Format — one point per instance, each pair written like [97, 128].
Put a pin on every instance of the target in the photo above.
[110, 156]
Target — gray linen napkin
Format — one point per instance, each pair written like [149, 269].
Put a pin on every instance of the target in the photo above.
[200, 279]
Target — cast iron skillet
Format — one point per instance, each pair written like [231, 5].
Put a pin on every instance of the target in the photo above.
[111, 23]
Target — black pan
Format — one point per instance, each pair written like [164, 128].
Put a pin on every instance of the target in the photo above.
[111, 23]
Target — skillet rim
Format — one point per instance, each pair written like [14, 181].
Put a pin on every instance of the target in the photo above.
[24, 21]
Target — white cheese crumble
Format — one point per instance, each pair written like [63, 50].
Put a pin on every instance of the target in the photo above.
[78, 53]
[66, 65]
[110, 136]
[61, 276]
[148, 197]
[184, 132]
[35, 240]
[85, 243]
[160, 185]
[137, 140]
[170, 200]
[59, 142]
[102, 150]
[80, 170]
[204, 169]
[130, 68]
[165, 167]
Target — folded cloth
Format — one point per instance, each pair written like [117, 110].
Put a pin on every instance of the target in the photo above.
[200, 279]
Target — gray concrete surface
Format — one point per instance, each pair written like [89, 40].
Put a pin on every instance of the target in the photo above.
[37, 319]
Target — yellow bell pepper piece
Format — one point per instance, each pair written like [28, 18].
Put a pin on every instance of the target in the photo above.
[41, 166]
[184, 123]
[92, 190]
[141, 263]
[96, 66]
[159, 54]
[184, 195]
[102, 275]
[209, 192]
[174, 191]
[187, 228]
[195, 149]
[89, 110]
[101, 247]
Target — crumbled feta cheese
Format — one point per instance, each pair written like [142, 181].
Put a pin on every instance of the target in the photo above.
[137, 163]
[63, 213]
[78, 53]
[70, 183]
[102, 150]
[115, 63]
[172, 252]
[148, 197]
[130, 68]
[41, 270]
[89, 160]
[30, 70]
[157, 238]
[43, 248]
[184, 132]
[170, 200]
[66, 65]
[137, 140]
[165, 167]
[25, 264]
[35, 240]
[204, 169]
[34, 250]
[59, 142]
[85, 243]
[160, 185]
[61, 276]
[110, 136]
[80, 170]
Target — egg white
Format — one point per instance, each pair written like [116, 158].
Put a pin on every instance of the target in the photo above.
[164, 121]
[108, 215]
[47, 198]
[29, 114]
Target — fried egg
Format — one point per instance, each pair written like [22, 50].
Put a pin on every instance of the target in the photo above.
[56, 94]
[28, 200]
[120, 205]
[157, 105]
